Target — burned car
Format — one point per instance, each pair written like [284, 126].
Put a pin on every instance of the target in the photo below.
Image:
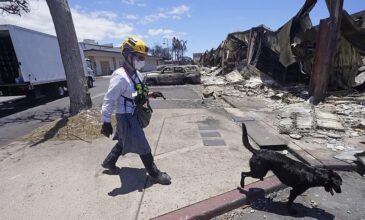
[172, 75]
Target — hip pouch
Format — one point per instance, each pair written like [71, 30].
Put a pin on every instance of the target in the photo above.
[143, 115]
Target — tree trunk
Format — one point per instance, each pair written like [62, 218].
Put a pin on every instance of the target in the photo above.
[71, 57]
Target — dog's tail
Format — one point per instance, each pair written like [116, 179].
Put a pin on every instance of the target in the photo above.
[245, 140]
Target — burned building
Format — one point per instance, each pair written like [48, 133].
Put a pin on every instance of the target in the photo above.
[287, 54]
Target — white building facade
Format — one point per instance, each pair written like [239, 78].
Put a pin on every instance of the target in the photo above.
[106, 58]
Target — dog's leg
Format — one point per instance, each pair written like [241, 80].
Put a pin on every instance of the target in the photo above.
[243, 176]
[257, 173]
[293, 195]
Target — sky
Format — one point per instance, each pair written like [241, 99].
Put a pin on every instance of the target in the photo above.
[203, 23]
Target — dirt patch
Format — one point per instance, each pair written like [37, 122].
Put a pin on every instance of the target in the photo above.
[83, 126]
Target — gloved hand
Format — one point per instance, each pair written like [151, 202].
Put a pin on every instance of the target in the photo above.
[156, 95]
[106, 129]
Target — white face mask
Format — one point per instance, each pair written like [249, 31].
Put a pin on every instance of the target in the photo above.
[138, 65]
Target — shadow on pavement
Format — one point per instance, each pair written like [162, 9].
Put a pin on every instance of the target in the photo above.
[252, 194]
[52, 132]
[132, 179]
[256, 198]
[279, 208]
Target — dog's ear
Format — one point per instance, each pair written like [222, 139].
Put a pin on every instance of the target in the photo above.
[329, 177]
[334, 175]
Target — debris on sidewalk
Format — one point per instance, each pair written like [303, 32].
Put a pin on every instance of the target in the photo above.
[295, 136]
[328, 121]
[348, 156]
[84, 126]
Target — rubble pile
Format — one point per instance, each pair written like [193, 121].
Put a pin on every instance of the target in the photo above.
[212, 76]
[352, 117]
[328, 125]
[84, 126]
[250, 82]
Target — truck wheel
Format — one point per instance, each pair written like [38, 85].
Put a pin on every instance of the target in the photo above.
[54, 91]
[60, 92]
[90, 82]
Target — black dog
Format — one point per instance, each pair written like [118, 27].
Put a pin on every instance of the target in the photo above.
[290, 172]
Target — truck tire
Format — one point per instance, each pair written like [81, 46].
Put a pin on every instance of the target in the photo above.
[90, 82]
[60, 92]
[54, 90]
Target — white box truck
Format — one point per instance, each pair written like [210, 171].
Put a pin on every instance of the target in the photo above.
[30, 63]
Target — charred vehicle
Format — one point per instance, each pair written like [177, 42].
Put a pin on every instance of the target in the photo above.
[172, 75]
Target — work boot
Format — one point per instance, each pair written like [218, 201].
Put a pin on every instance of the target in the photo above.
[111, 168]
[111, 159]
[156, 175]
[162, 178]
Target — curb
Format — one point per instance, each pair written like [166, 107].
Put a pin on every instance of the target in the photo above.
[226, 202]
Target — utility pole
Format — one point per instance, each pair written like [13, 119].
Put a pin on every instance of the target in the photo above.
[166, 42]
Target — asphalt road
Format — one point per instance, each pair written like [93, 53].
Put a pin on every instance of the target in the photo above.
[315, 203]
[20, 118]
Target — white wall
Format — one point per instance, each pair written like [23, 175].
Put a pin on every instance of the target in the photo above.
[151, 62]
[98, 65]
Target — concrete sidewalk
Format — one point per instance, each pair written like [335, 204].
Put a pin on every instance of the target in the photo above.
[200, 149]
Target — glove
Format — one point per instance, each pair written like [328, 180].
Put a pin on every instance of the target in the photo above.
[156, 95]
[106, 129]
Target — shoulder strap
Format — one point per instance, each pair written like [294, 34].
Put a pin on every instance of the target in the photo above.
[125, 102]
[126, 98]
[131, 78]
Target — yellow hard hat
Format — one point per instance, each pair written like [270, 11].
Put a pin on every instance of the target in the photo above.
[134, 44]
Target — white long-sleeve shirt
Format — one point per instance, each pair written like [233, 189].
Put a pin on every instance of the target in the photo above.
[120, 85]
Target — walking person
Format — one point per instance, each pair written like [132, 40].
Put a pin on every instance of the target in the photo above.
[128, 93]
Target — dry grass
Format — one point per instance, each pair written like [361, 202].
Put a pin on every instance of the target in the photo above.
[84, 126]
